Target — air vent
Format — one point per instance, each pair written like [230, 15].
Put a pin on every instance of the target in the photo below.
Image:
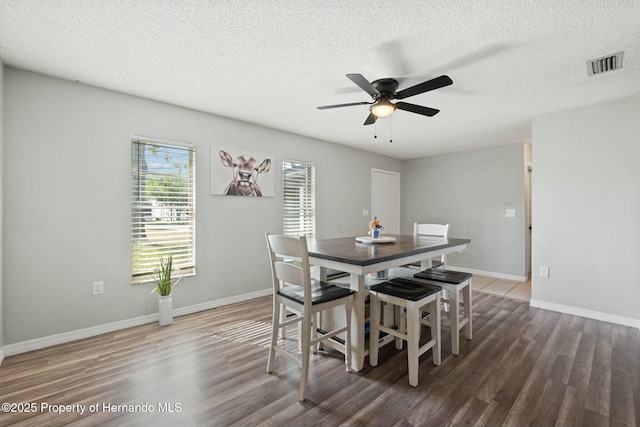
[604, 64]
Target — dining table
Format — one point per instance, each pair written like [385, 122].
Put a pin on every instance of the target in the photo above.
[360, 256]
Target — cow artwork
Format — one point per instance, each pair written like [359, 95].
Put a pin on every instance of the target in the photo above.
[245, 174]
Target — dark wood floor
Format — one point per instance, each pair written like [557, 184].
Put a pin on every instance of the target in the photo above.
[524, 366]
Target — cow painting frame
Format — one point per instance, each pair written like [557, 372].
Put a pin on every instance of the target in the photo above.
[241, 172]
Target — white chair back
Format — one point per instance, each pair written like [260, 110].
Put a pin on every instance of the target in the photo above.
[289, 262]
[433, 230]
[436, 230]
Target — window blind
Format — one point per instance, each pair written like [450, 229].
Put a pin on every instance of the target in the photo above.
[299, 199]
[162, 207]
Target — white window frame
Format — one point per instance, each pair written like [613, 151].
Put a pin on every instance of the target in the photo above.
[161, 216]
[306, 210]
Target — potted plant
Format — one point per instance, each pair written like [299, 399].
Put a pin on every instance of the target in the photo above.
[164, 286]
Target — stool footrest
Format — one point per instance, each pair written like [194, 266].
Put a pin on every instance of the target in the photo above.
[392, 331]
[426, 347]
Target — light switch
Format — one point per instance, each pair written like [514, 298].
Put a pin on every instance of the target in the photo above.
[511, 213]
[365, 212]
[98, 288]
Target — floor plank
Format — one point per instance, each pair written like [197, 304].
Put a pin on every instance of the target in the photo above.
[524, 366]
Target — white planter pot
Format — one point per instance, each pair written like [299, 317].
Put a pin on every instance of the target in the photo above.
[165, 308]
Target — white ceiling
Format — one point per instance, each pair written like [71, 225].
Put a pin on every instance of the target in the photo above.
[272, 62]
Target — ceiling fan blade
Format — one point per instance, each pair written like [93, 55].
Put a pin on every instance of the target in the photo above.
[370, 120]
[418, 109]
[364, 84]
[423, 87]
[326, 107]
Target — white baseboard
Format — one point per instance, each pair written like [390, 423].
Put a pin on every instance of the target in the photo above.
[576, 311]
[38, 343]
[488, 273]
[219, 303]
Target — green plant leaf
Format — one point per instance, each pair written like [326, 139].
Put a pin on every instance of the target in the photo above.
[162, 276]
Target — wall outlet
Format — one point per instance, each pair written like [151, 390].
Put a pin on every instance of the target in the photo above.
[511, 213]
[98, 288]
[365, 212]
[544, 272]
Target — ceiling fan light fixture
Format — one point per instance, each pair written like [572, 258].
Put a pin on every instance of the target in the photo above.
[383, 91]
[383, 108]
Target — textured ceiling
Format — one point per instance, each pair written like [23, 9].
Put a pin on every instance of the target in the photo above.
[272, 62]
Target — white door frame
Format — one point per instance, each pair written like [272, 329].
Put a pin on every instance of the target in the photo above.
[373, 192]
[528, 220]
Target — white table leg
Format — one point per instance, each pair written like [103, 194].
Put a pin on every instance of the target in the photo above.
[454, 320]
[357, 322]
[436, 324]
[319, 273]
[413, 341]
[468, 331]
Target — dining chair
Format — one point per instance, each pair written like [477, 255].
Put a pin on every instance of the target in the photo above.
[294, 289]
[414, 297]
[433, 230]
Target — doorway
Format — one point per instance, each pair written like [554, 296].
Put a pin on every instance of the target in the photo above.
[385, 199]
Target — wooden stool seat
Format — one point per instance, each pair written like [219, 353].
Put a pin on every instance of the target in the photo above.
[444, 276]
[335, 274]
[453, 282]
[320, 292]
[412, 296]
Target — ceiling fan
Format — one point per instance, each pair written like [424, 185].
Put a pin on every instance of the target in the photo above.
[383, 91]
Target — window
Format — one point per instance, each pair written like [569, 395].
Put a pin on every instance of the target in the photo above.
[299, 199]
[162, 206]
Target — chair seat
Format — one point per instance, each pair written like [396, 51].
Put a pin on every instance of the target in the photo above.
[321, 292]
[335, 274]
[406, 289]
[444, 276]
[434, 264]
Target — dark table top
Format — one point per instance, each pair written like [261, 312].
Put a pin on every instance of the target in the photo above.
[348, 250]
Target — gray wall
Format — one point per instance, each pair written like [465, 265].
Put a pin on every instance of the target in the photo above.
[471, 191]
[64, 151]
[67, 203]
[586, 208]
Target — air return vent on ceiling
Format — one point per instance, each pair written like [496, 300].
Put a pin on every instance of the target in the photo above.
[604, 64]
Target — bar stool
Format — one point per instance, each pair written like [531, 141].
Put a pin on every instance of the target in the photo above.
[453, 282]
[412, 296]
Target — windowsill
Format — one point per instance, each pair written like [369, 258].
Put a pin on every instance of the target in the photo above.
[145, 280]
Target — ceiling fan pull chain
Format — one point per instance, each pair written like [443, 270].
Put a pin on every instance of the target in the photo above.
[375, 130]
[391, 129]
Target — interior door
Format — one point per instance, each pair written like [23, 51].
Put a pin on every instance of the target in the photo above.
[385, 199]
